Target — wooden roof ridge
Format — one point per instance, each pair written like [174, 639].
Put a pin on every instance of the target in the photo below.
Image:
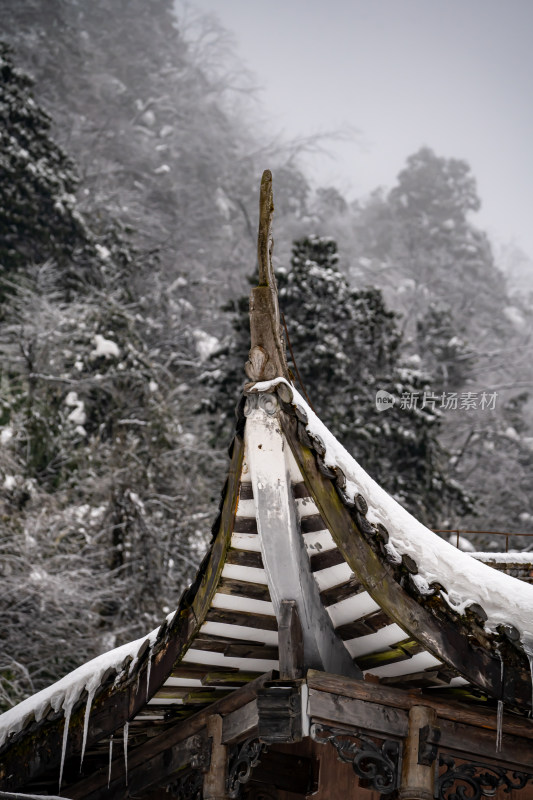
[485, 635]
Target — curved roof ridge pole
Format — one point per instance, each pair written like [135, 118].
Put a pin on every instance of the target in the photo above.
[267, 349]
[285, 559]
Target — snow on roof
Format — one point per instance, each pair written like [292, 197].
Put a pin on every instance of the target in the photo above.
[66, 692]
[465, 580]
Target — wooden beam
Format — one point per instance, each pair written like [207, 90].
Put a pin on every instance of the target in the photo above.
[375, 718]
[397, 698]
[418, 779]
[215, 778]
[291, 644]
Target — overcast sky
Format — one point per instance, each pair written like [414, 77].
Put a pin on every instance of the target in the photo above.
[455, 75]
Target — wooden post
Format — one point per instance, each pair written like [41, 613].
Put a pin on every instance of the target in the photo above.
[418, 779]
[215, 778]
[291, 643]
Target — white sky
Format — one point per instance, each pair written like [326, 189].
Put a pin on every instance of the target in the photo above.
[455, 75]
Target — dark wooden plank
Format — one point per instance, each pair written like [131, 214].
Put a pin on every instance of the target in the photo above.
[244, 558]
[423, 679]
[291, 643]
[393, 654]
[374, 717]
[397, 698]
[312, 524]
[246, 492]
[230, 678]
[245, 525]
[341, 592]
[255, 591]
[252, 650]
[300, 491]
[189, 670]
[463, 739]
[363, 626]
[329, 558]
[261, 621]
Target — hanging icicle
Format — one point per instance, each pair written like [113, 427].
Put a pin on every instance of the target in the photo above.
[110, 760]
[148, 671]
[126, 727]
[67, 708]
[499, 726]
[90, 696]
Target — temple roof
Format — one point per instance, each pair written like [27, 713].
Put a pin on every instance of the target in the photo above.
[303, 533]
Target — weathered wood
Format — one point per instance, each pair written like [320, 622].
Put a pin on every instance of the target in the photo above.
[252, 650]
[328, 558]
[396, 698]
[395, 653]
[240, 724]
[189, 670]
[418, 779]
[439, 633]
[255, 591]
[235, 678]
[261, 621]
[291, 645]
[215, 778]
[300, 490]
[246, 492]
[341, 592]
[370, 623]
[312, 524]
[245, 525]
[149, 754]
[458, 737]
[375, 718]
[267, 352]
[244, 558]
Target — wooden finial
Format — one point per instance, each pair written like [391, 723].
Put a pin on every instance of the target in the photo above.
[264, 237]
[267, 354]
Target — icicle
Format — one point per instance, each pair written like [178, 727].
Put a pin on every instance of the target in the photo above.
[499, 725]
[126, 726]
[528, 650]
[90, 695]
[68, 710]
[110, 759]
[499, 712]
[148, 671]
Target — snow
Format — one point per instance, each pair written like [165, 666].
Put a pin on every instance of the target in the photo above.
[466, 580]
[104, 347]
[505, 558]
[6, 435]
[206, 344]
[66, 692]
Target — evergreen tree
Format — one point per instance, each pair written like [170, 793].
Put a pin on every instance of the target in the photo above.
[38, 213]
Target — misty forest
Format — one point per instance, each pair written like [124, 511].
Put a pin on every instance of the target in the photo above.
[131, 152]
